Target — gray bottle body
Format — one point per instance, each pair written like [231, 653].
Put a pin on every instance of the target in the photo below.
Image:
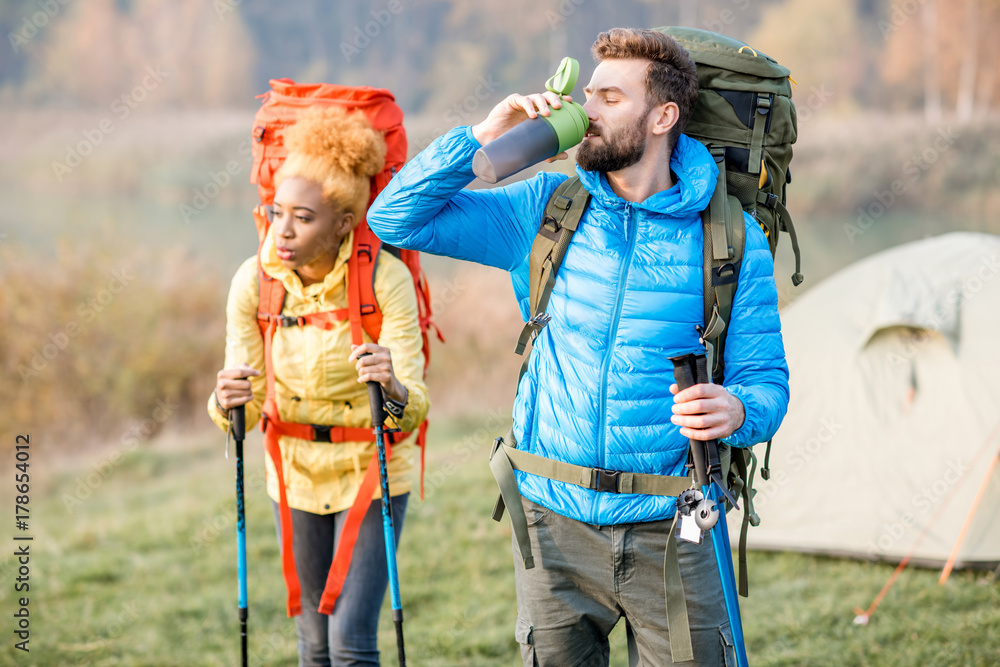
[528, 143]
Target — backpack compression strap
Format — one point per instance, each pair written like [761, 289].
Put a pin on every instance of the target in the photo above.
[772, 202]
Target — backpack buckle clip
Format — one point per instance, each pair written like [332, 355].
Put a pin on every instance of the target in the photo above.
[288, 321]
[321, 432]
[763, 104]
[605, 481]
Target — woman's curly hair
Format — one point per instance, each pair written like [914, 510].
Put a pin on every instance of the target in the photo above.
[340, 151]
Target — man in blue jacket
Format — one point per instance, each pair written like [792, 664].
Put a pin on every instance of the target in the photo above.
[599, 392]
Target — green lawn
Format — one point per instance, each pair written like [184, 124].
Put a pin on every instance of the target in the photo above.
[143, 572]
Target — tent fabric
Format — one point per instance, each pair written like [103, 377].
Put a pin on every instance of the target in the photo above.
[894, 416]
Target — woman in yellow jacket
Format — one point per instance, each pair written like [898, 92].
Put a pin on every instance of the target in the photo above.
[322, 193]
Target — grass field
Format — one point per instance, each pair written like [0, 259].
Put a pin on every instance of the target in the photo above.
[134, 563]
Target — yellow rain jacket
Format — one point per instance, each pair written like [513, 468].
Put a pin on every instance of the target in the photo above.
[315, 383]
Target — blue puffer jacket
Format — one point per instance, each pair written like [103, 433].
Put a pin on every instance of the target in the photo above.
[627, 298]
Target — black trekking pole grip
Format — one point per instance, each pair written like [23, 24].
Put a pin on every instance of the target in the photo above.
[686, 375]
[238, 415]
[377, 404]
[689, 370]
[701, 369]
[375, 400]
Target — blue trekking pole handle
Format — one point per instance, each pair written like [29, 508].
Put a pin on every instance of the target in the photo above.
[238, 415]
[378, 423]
[689, 370]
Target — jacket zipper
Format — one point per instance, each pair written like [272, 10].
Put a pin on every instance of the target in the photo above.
[613, 331]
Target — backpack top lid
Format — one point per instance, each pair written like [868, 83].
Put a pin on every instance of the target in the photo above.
[281, 106]
[728, 64]
[724, 52]
[377, 103]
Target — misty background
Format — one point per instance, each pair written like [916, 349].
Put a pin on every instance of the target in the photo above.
[124, 181]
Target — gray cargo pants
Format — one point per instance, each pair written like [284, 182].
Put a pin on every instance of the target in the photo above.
[587, 577]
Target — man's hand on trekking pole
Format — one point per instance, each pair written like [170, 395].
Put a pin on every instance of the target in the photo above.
[706, 412]
[515, 109]
[376, 366]
[232, 389]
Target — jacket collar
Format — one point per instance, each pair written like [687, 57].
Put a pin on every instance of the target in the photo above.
[293, 284]
[695, 173]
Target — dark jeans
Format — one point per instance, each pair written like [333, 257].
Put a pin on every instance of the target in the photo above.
[348, 636]
[587, 578]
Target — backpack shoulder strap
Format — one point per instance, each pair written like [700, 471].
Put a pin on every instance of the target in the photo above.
[725, 237]
[270, 291]
[562, 216]
[363, 309]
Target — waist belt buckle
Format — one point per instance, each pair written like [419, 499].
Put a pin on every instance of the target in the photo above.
[607, 480]
[321, 432]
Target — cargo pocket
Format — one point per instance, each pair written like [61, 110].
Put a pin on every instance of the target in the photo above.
[524, 635]
[728, 650]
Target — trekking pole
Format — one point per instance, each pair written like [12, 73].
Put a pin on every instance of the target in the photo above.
[378, 423]
[238, 415]
[689, 370]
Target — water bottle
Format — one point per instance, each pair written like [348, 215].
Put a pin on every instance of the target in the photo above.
[538, 138]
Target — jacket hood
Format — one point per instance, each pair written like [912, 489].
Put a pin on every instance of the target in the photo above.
[694, 169]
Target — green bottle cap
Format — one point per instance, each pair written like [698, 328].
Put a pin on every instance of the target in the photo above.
[569, 122]
[564, 80]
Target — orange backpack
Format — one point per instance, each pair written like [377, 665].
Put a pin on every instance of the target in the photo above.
[279, 109]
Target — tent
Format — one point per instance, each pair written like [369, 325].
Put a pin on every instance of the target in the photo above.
[891, 443]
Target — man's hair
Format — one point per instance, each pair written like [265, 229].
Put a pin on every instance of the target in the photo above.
[671, 75]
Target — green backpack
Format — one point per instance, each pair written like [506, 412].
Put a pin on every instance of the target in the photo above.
[746, 118]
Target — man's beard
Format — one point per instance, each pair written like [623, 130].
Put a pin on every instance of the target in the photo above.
[617, 150]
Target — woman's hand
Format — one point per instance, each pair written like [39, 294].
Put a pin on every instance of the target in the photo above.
[376, 366]
[232, 388]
